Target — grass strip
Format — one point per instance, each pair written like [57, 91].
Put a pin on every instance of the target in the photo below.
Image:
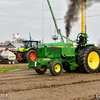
[7, 69]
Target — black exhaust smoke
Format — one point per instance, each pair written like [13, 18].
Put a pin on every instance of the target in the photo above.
[70, 16]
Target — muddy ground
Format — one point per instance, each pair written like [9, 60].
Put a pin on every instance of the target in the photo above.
[28, 85]
[13, 65]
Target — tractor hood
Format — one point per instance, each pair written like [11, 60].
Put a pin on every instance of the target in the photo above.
[21, 49]
[55, 44]
[55, 50]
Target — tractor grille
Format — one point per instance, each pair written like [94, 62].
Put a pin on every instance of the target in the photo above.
[49, 52]
[55, 51]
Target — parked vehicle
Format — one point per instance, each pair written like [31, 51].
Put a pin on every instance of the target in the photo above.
[7, 56]
[28, 51]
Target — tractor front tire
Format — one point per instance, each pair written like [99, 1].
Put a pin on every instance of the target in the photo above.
[56, 68]
[42, 70]
[31, 55]
[89, 60]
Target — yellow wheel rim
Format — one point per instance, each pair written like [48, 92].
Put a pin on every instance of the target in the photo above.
[57, 68]
[93, 60]
[42, 69]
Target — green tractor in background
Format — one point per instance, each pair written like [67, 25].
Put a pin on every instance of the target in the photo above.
[57, 56]
[28, 51]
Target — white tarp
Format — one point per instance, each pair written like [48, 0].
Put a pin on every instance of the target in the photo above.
[8, 55]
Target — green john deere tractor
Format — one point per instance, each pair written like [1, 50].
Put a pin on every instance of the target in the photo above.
[28, 51]
[57, 56]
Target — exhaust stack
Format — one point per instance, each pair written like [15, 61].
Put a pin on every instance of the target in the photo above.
[83, 17]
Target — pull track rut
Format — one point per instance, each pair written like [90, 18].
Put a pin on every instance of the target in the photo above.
[28, 85]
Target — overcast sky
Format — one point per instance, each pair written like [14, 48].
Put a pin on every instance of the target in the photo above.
[24, 16]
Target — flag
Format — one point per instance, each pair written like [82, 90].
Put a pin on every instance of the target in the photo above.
[15, 36]
[30, 36]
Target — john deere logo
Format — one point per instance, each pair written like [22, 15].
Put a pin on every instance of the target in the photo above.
[68, 52]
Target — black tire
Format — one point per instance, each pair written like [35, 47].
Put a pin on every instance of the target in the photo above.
[66, 67]
[29, 56]
[89, 60]
[42, 70]
[56, 68]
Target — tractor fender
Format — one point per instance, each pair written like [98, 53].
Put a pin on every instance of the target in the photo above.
[89, 44]
[53, 61]
[31, 49]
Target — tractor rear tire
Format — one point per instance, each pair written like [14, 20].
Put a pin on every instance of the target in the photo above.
[42, 70]
[89, 60]
[31, 55]
[56, 68]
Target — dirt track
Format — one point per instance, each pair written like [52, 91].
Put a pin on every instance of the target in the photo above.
[13, 65]
[28, 85]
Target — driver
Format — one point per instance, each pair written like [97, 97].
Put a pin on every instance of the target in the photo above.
[81, 39]
[81, 42]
